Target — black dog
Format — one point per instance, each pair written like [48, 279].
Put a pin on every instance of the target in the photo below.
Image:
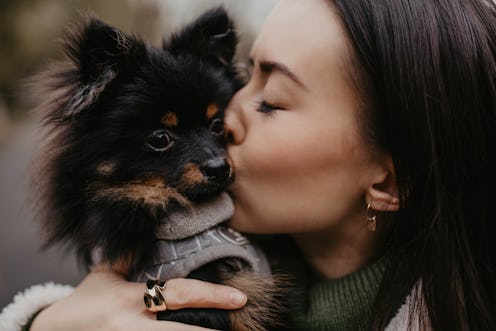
[136, 139]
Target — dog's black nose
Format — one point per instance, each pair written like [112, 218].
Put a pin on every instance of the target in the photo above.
[217, 170]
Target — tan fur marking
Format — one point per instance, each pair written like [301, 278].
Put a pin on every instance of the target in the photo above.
[212, 110]
[152, 192]
[170, 120]
[192, 176]
[105, 168]
[264, 306]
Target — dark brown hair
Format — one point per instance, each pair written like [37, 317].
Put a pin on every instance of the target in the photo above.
[429, 68]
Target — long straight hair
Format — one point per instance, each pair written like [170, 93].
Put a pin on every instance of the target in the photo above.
[428, 75]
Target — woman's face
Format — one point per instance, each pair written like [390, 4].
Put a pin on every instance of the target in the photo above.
[301, 163]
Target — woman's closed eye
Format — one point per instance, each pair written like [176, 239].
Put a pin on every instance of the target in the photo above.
[266, 108]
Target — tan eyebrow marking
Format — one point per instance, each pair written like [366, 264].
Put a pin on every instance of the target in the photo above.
[212, 110]
[170, 120]
[105, 168]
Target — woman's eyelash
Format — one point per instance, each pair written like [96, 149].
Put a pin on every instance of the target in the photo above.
[266, 108]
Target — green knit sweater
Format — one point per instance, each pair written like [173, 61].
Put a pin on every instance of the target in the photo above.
[339, 304]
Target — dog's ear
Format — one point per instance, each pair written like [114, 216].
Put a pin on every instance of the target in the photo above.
[212, 35]
[99, 48]
[99, 53]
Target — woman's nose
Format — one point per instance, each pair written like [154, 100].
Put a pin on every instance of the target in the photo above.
[235, 127]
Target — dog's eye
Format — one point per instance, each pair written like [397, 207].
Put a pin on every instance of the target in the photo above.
[159, 141]
[217, 127]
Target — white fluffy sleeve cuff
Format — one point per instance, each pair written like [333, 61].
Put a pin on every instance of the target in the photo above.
[28, 302]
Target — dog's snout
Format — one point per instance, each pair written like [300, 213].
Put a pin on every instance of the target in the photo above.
[217, 169]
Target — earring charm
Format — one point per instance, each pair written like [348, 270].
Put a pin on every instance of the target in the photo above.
[371, 220]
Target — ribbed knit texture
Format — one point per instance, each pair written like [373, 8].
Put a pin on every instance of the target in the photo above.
[340, 304]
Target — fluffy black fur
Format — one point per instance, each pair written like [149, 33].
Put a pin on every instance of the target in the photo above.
[136, 131]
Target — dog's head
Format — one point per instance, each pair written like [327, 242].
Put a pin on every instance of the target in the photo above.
[138, 127]
[142, 118]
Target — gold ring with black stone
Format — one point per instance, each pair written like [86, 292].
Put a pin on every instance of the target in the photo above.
[153, 297]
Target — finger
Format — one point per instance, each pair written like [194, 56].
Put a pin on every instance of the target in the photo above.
[191, 293]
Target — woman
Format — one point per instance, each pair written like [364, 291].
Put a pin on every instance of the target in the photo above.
[365, 133]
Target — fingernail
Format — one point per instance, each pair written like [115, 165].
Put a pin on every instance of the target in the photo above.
[238, 298]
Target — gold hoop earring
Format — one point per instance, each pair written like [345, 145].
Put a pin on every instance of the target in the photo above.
[371, 220]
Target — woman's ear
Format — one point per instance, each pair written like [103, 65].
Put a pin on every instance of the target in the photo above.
[382, 194]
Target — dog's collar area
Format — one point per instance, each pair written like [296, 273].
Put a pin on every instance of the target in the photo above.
[193, 237]
[178, 258]
[187, 222]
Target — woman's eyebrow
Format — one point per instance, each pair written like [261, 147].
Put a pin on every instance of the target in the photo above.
[269, 66]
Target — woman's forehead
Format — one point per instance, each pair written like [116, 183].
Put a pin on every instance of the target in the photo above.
[306, 36]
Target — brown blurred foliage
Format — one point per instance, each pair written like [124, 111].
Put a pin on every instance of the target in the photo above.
[30, 32]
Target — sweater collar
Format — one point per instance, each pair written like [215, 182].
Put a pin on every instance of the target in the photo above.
[339, 304]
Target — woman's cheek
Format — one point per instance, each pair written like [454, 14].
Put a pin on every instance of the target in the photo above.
[273, 156]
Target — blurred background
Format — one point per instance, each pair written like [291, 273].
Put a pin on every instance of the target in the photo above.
[30, 33]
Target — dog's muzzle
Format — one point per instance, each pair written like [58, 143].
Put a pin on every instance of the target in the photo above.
[217, 170]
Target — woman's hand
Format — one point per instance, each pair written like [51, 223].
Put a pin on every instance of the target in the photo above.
[105, 301]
